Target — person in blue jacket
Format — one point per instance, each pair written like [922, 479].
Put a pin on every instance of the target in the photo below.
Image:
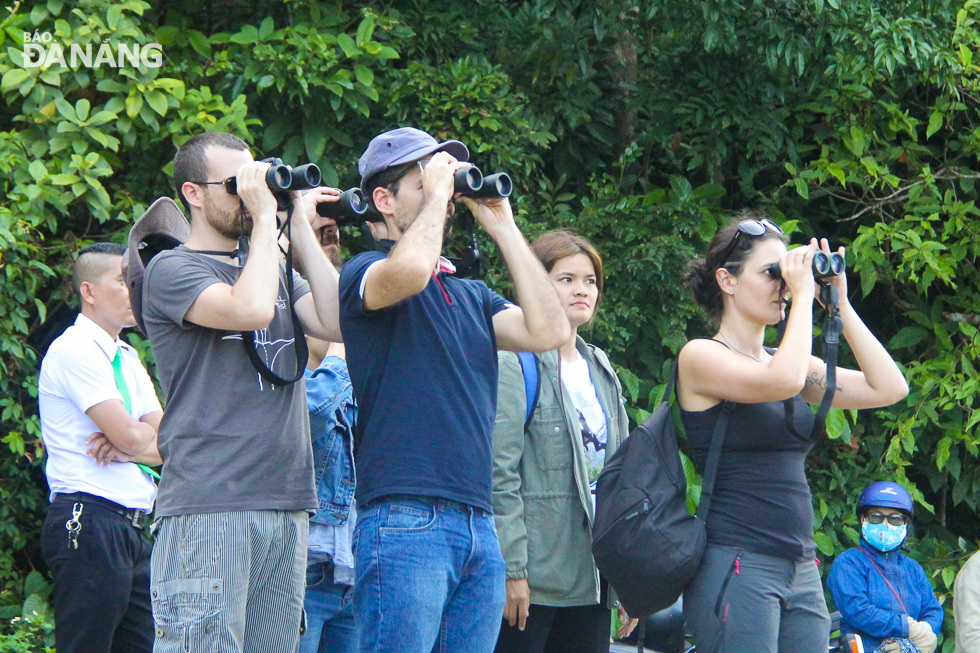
[883, 595]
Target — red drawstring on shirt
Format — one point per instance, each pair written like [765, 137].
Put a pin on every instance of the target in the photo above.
[442, 288]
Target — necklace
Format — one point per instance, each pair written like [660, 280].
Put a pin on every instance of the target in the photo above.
[739, 351]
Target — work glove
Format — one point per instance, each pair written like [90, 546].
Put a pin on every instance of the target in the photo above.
[921, 633]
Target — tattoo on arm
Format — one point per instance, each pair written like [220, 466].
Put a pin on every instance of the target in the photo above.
[821, 382]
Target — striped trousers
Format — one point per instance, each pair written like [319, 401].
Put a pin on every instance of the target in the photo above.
[230, 581]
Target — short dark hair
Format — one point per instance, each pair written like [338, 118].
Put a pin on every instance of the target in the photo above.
[389, 178]
[92, 263]
[190, 163]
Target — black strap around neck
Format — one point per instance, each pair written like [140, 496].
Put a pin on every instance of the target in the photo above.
[299, 338]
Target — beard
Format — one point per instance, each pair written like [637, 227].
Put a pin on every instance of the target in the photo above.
[227, 223]
[404, 222]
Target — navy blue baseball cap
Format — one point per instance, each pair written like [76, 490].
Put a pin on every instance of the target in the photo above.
[402, 145]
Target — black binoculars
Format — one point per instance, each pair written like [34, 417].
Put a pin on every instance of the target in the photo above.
[281, 179]
[471, 183]
[349, 208]
[824, 266]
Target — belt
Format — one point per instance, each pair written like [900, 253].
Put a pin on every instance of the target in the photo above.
[138, 518]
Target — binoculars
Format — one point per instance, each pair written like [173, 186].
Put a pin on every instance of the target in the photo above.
[349, 208]
[824, 266]
[471, 183]
[281, 179]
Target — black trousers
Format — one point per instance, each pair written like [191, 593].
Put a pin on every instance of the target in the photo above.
[102, 588]
[579, 629]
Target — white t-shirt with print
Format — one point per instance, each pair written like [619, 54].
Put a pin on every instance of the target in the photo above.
[578, 383]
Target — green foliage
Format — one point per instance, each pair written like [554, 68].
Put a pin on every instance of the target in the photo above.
[473, 97]
[305, 79]
[28, 627]
[641, 125]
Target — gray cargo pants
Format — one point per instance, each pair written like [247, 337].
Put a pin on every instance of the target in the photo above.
[742, 602]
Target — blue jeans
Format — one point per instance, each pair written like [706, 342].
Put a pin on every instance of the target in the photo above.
[329, 617]
[430, 577]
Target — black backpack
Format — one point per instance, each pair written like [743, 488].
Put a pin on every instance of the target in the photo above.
[645, 541]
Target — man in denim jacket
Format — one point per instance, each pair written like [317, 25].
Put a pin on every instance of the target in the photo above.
[330, 565]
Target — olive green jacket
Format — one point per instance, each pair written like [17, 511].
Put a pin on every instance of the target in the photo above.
[541, 500]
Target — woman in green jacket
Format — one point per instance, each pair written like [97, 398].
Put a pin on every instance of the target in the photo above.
[544, 475]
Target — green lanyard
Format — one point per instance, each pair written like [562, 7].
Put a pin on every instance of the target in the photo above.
[117, 373]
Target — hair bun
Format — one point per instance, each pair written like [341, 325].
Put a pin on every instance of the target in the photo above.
[700, 278]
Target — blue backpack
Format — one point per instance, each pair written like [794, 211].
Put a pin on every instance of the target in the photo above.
[529, 369]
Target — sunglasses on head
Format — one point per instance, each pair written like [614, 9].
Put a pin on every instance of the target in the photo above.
[754, 228]
[895, 519]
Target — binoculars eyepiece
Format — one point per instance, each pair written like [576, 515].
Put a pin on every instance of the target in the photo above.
[349, 208]
[824, 266]
[470, 182]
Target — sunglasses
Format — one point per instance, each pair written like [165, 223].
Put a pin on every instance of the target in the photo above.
[895, 519]
[230, 184]
[754, 228]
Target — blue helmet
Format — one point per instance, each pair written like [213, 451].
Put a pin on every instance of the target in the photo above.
[886, 494]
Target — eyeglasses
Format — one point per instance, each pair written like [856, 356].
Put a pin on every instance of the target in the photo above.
[230, 184]
[754, 228]
[895, 519]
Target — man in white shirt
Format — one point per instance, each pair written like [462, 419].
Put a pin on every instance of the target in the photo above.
[99, 418]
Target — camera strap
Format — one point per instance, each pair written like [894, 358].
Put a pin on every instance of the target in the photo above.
[832, 328]
[299, 338]
[469, 264]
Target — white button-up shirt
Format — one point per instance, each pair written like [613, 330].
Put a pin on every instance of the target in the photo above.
[77, 374]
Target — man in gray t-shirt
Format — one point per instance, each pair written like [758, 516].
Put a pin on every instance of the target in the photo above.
[237, 482]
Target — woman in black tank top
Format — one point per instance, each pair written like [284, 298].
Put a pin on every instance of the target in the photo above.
[758, 588]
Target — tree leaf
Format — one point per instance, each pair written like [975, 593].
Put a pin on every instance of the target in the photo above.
[364, 75]
[348, 45]
[266, 28]
[157, 101]
[37, 170]
[365, 30]
[824, 544]
[82, 108]
[315, 140]
[907, 337]
[199, 42]
[133, 105]
[935, 123]
[13, 78]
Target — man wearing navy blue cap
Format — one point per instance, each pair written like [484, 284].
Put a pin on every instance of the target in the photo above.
[421, 346]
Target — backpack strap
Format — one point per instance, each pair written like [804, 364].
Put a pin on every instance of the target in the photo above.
[714, 456]
[529, 369]
[671, 384]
